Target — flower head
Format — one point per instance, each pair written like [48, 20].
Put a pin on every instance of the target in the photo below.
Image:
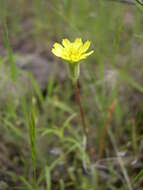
[72, 51]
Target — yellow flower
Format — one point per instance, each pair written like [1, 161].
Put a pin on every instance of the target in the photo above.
[72, 51]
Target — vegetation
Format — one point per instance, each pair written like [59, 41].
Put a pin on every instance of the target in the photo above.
[42, 145]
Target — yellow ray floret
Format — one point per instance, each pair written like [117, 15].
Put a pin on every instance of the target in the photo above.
[72, 51]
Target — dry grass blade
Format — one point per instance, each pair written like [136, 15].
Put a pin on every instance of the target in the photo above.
[107, 123]
[121, 162]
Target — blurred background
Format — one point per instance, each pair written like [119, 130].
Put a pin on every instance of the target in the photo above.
[41, 139]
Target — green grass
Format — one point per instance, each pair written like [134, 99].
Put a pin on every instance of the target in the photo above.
[48, 130]
[10, 53]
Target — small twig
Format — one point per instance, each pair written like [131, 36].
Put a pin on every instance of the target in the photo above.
[130, 2]
[104, 134]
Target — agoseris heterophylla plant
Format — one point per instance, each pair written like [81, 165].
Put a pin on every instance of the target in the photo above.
[73, 53]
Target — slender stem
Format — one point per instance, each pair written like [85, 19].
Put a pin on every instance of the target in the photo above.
[77, 94]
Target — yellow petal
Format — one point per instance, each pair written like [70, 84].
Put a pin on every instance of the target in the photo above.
[77, 43]
[78, 40]
[57, 45]
[85, 46]
[66, 43]
[72, 51]
[56, 52]
[85, 55]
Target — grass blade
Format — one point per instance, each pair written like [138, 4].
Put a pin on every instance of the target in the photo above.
[32, 136]
[10, 53]
[48, 178]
